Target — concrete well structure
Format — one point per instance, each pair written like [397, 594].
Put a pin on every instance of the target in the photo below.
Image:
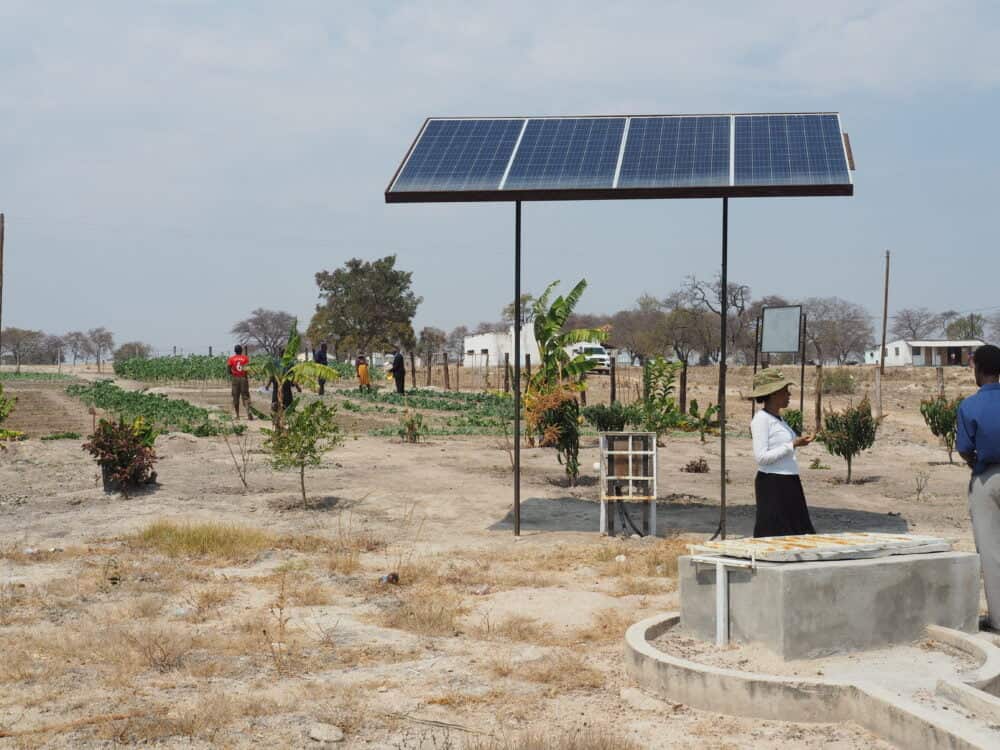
[811, 609]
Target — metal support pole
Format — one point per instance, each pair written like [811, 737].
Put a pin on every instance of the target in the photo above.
[721, 604]
[802, 373]
[756, 348]
[724, 307]
[517, 368]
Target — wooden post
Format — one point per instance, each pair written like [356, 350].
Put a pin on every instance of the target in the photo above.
[940, 381]
[175, 351]
[819, 397]
[447, 377]
[506, 372]
[458, 374]
[583, 393]
[430, 361]
[881, 359]
[413, 371]
[614, 379]
[209, 351]
[878, 394]
[527, 365]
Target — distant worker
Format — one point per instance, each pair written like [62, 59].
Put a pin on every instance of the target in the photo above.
[977, 440]
[398, 370]
[320, 358]
[240, 386]
[781, 503]
[364, 376]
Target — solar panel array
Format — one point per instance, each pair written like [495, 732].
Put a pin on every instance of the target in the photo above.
[623, 157]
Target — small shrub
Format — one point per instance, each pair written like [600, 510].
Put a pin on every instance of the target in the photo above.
[921, 478]
[124, 451]
[301, 439]
[411, 426]
[941, 416]
[793, 418]
[554, 415]
[613, 418]
[703, 421]
[6, 404]
[62, 436]
[838, 382]
[849, 432]
[817, 464]
[659, 408]
[696, 466]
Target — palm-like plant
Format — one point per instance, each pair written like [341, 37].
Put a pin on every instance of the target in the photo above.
[287, 369]
[557, 366]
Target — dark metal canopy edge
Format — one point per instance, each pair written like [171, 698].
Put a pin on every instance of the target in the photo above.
[602, 194]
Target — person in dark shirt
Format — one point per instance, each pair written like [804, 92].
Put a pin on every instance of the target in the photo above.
[977, 441]
[320, 358]
[398, 370]
[286, 389]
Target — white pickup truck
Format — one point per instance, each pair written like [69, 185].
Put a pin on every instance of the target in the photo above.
[594, 352]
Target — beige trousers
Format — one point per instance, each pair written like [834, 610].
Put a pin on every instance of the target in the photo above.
[984, 508]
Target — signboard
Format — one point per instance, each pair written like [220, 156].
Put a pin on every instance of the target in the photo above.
[781, 330]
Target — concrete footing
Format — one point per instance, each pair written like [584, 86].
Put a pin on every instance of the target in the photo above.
[901, 721]
[810, 609]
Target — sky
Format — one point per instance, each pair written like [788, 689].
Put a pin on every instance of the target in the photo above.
[167, 167]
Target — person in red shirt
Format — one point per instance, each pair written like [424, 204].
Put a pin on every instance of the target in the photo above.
[238, 364]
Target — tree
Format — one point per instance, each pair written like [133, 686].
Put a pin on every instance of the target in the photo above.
[849, 432]
[455, 344]
[78, 345]
[366, 305]
[431, 340]
[551, 408]
[941, 416]
[307, 433]
[966, 327]
[708, 296]
[527, 310]
[101, 342]
[914, 323]
[133, 350]
[487, 327]
[639, 332]
[21, 343]
[50, 350]
[265, 328]
[837, 328]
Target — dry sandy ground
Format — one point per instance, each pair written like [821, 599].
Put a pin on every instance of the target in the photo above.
[110, 641]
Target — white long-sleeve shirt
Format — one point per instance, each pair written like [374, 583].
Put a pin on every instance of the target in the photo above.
[773, 444]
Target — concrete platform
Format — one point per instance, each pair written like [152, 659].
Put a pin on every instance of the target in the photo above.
[808, 609]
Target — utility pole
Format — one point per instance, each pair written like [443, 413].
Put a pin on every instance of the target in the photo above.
[1, 287]
[881, 360]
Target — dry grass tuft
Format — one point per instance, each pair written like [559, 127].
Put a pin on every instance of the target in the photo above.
[561, 671]
[607, 625]
[162, 649]
[203, 540]
[207, 602]
[425, 609]
[586, 739]
[514, 628]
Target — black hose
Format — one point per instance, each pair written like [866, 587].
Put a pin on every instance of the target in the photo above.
[626, 519]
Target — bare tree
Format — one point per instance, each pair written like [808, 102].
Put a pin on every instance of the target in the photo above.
[268, 329]
[78, 345]
[102, 343]
[51, 350]
[133, 350]
[527, 310]
[914, 323]
[455, 345]
[487, 327]
[837, 328]
[709, 295]
[21, 343]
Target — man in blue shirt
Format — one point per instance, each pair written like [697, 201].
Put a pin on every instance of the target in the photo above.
[978, 442]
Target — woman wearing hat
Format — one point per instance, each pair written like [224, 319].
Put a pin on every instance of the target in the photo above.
[781, 503]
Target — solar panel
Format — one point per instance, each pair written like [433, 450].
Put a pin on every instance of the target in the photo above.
[648, 156]
[579, 153]
[790, 150]
[456, 155]
[676, 152]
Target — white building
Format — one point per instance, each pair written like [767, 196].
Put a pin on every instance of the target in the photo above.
[925, 353]
[487, 349]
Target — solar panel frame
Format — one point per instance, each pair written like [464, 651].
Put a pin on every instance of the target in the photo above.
[553, 193]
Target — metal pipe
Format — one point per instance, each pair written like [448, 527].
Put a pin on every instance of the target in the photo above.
[724, 306]
[802, 372]
[517, 368]
[721, 604]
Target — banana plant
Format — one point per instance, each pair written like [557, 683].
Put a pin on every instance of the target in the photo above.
[706, 421]
[287, 369]
[557, 366]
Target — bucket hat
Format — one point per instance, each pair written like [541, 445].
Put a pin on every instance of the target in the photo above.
[769, 381]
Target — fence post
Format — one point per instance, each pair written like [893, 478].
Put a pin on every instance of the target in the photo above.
[940, 381]
[447, 377]
[506, 372]
[413, 371]
[527, 365]
[209, 351]
[614, 379]
[819, 397]
[430, 365]
[458, 374]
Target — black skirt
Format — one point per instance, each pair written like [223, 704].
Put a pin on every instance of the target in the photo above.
[781, 506]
